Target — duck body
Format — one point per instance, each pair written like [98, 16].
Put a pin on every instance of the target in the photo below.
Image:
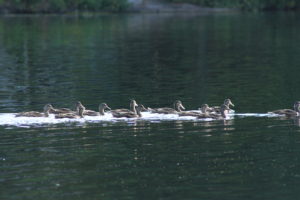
[164, 110]
[129, 114]
[190, 113]
[91, 113]
[133, 105]
[73, 115]
[124, 114]
[222, 115]
[30, 114]
[178, 107]
[61, 110]
[289, 112]
[67, 115]
[46, 108]
[203, 112]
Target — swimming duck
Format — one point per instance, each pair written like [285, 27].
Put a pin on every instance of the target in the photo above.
[178, 107]
[86, 112]
[289, 112]
[46, 109]
[102, 108]
[129, 114]
[133, 105]
[223, 113]
[73, 115]
[217, 109]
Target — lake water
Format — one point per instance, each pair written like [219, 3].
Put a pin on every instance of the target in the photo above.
[251, 58]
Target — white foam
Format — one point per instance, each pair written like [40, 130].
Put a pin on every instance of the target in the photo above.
[257, 115]
[9, 119]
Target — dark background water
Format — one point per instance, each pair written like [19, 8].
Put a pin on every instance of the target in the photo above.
[250, 58]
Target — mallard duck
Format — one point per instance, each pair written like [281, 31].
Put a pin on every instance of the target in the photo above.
[178, 107]
[133, 105]
[129, 114]
[289, 112]
[217, 109]
[46, 109]
[102, 108]
[223, 113]
[87, 112]
[72, 115]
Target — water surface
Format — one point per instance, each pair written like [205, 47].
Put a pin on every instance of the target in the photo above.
[156, 59]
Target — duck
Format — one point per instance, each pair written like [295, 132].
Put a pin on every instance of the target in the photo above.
[217, 109]
[132, 105]
[178, 107]
[46, 109]
[224, 109]
[289, 112]
[102, 108]
[73, 115]
[87, 112]
[129, 114]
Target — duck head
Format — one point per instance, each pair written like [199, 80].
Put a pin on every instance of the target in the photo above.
[224, 110]
[297, 106]
[178, 106]
[228, 102]
[102, 108]
[204, 108]
[133, 105]
[139, 109]
[47, 109]
[80, 109]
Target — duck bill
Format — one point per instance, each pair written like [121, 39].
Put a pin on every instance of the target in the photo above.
[181, 107]
[230, 103]
[108, 108]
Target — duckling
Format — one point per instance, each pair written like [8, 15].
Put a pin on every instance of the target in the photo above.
[178, 107]
[223, 113]
[289, 112]
[80, 112]
[129, 114]
[102, 108]
[87, 112]
[217, 109]
[46, 109]
[133, 105]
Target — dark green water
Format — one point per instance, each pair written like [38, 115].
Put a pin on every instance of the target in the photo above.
[251, 58]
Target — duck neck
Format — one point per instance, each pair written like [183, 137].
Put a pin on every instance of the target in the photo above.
[101, 110]
[204, 110]
[224, 112]
[46, 112]
[177, 107]
[297, 108]
[80, 110]
[138, 112]
[133, 109]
